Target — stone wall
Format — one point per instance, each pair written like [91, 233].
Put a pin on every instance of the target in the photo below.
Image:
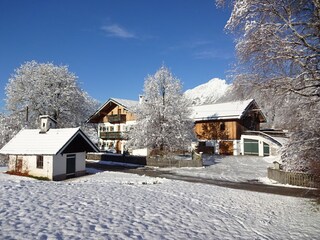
[166, 161]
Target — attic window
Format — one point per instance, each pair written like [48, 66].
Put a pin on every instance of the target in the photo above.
[40, 161]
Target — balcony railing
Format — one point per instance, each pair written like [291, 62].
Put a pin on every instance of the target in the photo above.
[113, 135]
[119, 118]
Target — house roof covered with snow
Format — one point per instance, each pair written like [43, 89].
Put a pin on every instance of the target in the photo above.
[54, 141]
[224, 111]
[129, 105]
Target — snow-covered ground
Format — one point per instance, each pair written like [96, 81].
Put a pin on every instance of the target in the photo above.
[231, 168]
[113, 205]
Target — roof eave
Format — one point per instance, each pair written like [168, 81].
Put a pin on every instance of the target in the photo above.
[262, 117]
[97, 113]
[217, 118]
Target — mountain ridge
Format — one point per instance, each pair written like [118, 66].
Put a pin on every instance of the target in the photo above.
[209, 92]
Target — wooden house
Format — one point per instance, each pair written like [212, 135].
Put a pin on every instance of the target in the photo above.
[219, 127]
[48, 152]
[114, 118]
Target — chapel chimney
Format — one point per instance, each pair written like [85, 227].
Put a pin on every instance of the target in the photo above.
[47, 122]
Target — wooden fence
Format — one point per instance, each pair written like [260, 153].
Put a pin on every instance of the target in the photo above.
[293, 178]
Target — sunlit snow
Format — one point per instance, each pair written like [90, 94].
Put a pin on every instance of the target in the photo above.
[110, 205]
[207, 93]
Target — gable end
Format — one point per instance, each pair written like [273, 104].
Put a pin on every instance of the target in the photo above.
[78, 143]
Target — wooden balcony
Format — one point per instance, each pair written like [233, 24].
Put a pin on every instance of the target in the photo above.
[112, 135]
[119, 118]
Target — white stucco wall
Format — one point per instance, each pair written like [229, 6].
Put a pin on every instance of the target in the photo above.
[236, 147]
[140, 152]
[60, 163]
[52, 165]
[29, 165]
[273, 147]
[81, 161]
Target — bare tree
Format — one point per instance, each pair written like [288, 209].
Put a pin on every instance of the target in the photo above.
[163, 118]
[278, 49]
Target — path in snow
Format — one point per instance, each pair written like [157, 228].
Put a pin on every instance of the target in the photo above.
[237, 172]
[111, 205]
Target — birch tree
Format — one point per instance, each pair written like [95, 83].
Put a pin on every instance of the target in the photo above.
[278, 48]
[163, 117]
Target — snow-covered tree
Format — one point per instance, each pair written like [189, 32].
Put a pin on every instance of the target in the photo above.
[44, 88]
[278, 42]
[10, 124]
[163, 117]
[278, 49]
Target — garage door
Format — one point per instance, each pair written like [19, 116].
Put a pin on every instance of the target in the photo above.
[266, 149]
[251, 147]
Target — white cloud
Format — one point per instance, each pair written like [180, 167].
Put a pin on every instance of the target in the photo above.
[115, 30]
[213, 54]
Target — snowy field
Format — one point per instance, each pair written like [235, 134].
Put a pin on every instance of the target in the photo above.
[231, 168]
[112, 205]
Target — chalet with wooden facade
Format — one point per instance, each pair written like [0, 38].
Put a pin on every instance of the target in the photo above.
[219, 127]
[114, 118]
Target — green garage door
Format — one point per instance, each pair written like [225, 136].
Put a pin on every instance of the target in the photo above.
[251, 147]
[266, 149]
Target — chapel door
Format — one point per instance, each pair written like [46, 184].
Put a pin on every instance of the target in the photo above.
[71, 165]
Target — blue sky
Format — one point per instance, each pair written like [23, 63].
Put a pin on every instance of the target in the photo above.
[113, 45]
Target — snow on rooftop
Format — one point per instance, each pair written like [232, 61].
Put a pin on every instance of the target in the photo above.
[31, 141]
[125, 102]
[229, 110]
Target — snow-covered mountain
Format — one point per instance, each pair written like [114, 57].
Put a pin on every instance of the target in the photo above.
[208, 92]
